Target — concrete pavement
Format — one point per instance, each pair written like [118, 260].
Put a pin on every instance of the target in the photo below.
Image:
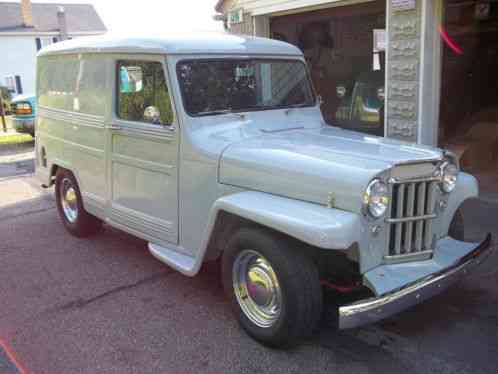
[104, 305]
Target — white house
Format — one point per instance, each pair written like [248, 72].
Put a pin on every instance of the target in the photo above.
[25, 28]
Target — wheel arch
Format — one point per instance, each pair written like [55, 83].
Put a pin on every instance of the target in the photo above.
[310, 224]
[467, 188]
[58, 165]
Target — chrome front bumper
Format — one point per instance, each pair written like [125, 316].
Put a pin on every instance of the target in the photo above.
[372, 310]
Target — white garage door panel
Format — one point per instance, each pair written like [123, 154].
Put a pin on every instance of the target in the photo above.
[258, 7]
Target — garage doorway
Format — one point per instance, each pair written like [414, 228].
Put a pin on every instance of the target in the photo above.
[469, 89]
[345, 48]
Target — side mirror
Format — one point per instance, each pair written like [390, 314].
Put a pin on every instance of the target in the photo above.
[341, 91]
[152, 115]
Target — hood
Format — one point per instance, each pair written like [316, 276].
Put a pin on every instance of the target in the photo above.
[19, 98]
[316, 164]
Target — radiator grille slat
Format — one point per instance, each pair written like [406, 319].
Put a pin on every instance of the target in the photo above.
[431, 206]
[410, 222]
[410, 205]
[398, 227]
[419, 227]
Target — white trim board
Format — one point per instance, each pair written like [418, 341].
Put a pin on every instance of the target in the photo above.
[280, 7]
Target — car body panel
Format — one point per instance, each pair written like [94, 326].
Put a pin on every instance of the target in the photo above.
[325, 161]
[370, 310]
[25, 123]
[310, 223]
[389, 277]
[194, 43]
[284, 169]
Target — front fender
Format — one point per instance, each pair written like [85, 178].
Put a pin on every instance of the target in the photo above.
[310, 223]
[466, 188]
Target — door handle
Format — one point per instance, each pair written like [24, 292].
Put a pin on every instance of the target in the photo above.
[115, 127]
[170, 128]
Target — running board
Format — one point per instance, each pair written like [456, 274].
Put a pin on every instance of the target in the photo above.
[179, 261]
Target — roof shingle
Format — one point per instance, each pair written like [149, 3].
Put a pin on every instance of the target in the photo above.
[79, 18]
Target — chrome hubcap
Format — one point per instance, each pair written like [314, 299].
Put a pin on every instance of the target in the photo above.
[69, 200]
[256, 288]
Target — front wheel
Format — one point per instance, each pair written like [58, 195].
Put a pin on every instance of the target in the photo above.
[274, 289]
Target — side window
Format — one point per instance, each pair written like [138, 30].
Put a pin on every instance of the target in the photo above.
[57, 77]
[90, 87]
[143, 94]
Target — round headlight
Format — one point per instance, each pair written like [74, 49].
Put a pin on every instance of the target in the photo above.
[376, 198]
[449, 173]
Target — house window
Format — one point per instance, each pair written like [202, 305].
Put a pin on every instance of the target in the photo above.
[13, 83]
[43, 42]
[10, 83]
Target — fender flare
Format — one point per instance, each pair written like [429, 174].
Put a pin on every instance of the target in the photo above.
[314, 224]
[466, 188]
[317, 225]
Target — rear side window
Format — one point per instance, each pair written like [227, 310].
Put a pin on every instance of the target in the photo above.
[90, 87]
[73, 83]
[57, 81]
[143, 94]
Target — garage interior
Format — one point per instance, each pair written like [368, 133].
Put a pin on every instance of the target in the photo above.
[469, 89]
[344, 47]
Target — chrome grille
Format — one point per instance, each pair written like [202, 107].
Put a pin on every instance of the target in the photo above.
[410, 222]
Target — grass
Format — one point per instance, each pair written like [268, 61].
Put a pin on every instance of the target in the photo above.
[15, 139]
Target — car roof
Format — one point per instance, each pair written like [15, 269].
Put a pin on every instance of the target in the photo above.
[199, 43]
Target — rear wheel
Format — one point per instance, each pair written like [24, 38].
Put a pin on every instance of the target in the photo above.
[70, 206]
[274, 289]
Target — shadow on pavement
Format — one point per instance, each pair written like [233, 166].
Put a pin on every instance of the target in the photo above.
[70, 305]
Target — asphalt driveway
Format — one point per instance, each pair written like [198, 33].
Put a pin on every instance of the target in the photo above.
[104, 305]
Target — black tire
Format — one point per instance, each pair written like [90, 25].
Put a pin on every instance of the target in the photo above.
[84, 224]
[457, 227]
[299, 283]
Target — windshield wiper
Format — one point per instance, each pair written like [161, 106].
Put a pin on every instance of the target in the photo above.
[290, 108]
[299, 105]
[217, 111]
[222, 111]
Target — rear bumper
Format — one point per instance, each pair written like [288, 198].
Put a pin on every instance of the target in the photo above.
[372, 310]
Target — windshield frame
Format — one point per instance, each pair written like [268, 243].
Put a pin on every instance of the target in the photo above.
[314, 99]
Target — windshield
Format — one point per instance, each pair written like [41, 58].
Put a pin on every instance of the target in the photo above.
[233, 85]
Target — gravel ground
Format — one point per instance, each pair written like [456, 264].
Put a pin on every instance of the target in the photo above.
[104, 305]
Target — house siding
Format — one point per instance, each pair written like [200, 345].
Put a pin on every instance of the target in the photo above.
[246, 27]
[19, 59]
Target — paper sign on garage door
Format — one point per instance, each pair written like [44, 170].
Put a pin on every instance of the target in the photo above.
[398, 5]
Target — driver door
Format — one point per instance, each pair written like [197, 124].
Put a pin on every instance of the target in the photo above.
[143, 152]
